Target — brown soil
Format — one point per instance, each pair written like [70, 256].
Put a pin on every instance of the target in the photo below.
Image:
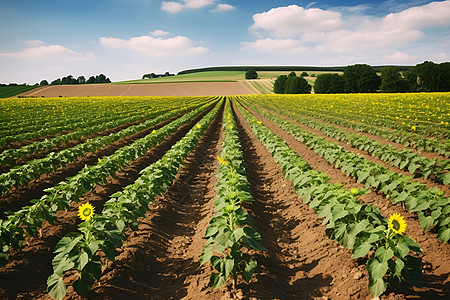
[435, 257]
[15, 279]
[152, 89]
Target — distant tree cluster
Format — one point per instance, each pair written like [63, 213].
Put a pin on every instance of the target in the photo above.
[153, 75]
[69, 79]
[361, 78]
[251, 74]
[291, 84]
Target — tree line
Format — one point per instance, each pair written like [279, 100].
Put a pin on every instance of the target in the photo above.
[154, 75]
[425, 77]
[69, 79]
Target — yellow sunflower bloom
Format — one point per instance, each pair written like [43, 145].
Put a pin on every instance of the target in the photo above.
[231, 126]
[223, 161]
[198, 126]
[85, 211]
[397, 224]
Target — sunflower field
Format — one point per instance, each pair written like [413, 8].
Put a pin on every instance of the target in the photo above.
[236, 197]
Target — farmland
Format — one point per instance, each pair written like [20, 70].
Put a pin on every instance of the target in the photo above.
[258, 196]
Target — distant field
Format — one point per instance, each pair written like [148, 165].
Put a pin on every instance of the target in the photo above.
[215, 76]
[9, 91]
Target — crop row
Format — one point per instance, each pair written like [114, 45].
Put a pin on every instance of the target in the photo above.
[403, 159]
[355, 226]
[30, 218]
[406, 138]
[33, 169]
[431, 205]
[103, 232]
[231, 229]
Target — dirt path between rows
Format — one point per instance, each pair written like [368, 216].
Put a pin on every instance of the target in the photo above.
[300, 261]
[16, 280]
[161, 259]
[20, 196]
[436, 256]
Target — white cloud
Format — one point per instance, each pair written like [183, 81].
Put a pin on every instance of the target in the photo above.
[441, 57]
[282, 46]
[172, 7]
[33, 43]
[56, 52]
[175, 6]
[159, 47]
[223, 7]
[399, 57]
[159, 32]
[294, 20]
[331, 33]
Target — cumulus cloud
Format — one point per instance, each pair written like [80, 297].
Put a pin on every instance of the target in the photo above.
[331, 32]
[56, 52]
[176, 6]
[294, 20]
[159, 32]
[223, 7]
[159, 47]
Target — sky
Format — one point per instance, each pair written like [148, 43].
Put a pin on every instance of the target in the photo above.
[125, 39]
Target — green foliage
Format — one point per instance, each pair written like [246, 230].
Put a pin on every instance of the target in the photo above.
[329, 84]
[231, 229]
[392, 81]
[296, 85]
[251, 74]
[360, 78]
[278, 86]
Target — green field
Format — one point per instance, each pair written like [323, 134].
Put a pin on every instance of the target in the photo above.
[215, 76]
[9, 91]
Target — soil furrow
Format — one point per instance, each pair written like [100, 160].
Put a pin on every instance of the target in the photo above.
[20, 196]
[436, 256]
[161, 259]
[15, 278]
[68, 144]
[300, 261]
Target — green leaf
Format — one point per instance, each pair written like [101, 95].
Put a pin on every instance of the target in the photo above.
[217, 280]
[384, 254]
[377, 287]
[206, 254]
[361, 250]
[57, 287]
[426, 222]
[444, 234]
[376, 268]
[229, 265]
[249, 269]
[83, 260]
[253, 239]
[83, 285]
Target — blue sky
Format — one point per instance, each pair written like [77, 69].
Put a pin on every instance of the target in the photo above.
[125, 39]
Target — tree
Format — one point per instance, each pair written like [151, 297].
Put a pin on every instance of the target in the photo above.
[443, 77]
[427, 76]
[251, 74]
[411, 77]
[278, 85]
[91, 80]
[304, 74]
[43, 82]
[81, 80]
[56, 82]
[361, 78]
[392, 81]
[329, 84]
[296, 85]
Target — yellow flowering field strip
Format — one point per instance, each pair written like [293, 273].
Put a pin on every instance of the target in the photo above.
[403, 159]
[358, 227]
[103, 232]
[231, 229]
[29, 219]
[431, 205]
